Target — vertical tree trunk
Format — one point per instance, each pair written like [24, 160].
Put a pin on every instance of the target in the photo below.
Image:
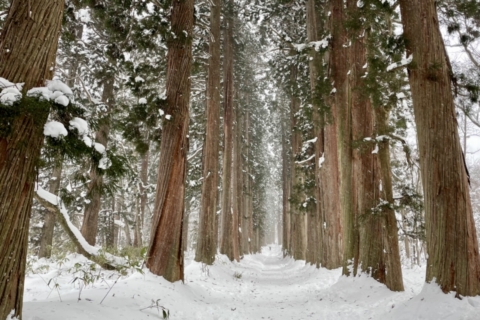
[340, 109]
[165, 255]
[452, 247]
[328, 217]
[46, 238]
[143, 191]
[89, 227]
[285, 192]
[28, 44]
[207, 231]
[137, 233]
[238, 166]
[228, 243]
[246, 214]
[299, 235]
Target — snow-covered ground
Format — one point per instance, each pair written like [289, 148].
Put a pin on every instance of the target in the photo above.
[261, 286]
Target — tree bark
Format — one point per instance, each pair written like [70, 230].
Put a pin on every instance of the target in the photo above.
[452, 247]
[90, 217]
[28, 44]
[246, 214]
[228, 243]
[238, 179]
[207, 233]
[137, 233]
[165, 255]
[298, 218]
[341, 114]
[286, 216]
[46, 238]
[328, 222]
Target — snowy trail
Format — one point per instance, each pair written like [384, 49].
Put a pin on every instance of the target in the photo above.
[270, 287]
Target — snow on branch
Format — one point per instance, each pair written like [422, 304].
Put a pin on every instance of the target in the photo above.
[52, 203]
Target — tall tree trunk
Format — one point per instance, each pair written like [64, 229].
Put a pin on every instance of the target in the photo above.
[328, 217]
[299, 235]
[28, 44]
[137, 233]
[46, 238]
[341, 113]
[452, 248]
[229, 231]
[90, 216]
[165, 255]
[207, 232]
[143, 191]
[238, 180]
[286, 216]
[391, 250]
[246, 214]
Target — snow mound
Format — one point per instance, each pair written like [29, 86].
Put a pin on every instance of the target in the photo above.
[54, 129]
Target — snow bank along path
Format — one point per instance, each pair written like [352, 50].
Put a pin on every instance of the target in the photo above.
[266, 286]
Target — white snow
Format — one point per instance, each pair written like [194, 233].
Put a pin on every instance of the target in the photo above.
[139, 79]
[306, 160]
[40, 92]
[9, 96]
[402, 63]
[99, 147]
[104, 163]
[53, 199]
[63, 100]
[401, 95]
[86, 139]
[79, 124]
[168, 117]
[270, 287]
[321, 160]
[57, 85]
[119, 223]
[4, 83]
[54, 129]
[142, 101]
[375, 151]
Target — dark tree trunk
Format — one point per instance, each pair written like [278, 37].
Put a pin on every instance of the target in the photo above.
[246, 214]
[137, 233]
[228, 240]
[143, 190]
[298, 217]
[207, 232]
[46, 238]
[165, 255]
[328, 218]
[452, 247]
[340, 108]
[238, 179]
[90, 218]
[286, 216]
[28, 44]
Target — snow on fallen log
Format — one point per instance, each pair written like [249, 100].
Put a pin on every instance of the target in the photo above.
[52, 203]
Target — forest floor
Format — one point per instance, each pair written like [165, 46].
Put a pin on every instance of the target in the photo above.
[261, 286]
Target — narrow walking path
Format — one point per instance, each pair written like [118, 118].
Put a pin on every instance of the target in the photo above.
[261, 286]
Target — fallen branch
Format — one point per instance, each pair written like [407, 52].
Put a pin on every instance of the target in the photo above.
[85, 249]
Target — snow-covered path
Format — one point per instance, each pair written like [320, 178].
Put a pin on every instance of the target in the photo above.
[261, 286]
